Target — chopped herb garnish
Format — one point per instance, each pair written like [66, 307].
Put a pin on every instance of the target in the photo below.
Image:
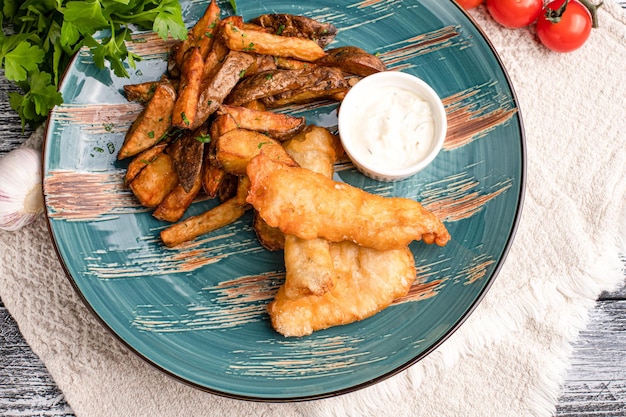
[242, 73]
[205, 138]
[151, 134]
[111, 147]
[184, 117]
[280, 29]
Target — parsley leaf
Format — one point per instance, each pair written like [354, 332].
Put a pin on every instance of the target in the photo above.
[39, 38]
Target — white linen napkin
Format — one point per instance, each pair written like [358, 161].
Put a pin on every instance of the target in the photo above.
[510, 356]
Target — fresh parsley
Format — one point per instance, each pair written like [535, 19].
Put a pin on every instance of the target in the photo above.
[39, 38]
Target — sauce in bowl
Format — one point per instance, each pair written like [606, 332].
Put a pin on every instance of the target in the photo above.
[391, 125]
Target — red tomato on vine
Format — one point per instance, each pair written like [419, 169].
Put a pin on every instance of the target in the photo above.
[515, 13]
[564, 26]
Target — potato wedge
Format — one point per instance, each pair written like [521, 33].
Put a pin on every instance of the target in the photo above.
[155, 181]
[271, 83]
[277, 125]
[215, 90]
[186, 105]
[239, 39]
[142, 160]
[175, 204]
[323, 88]
[213, 176]
[141, 93]
[187, 153]
[152, 123]
[200, 36]
[271, 238]
[236, 148]
[209, 221]
[353, 60]
[297, 26]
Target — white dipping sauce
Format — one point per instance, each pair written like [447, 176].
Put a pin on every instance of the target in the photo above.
[393, 128]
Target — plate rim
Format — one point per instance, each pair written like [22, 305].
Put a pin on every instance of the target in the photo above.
[352, 388]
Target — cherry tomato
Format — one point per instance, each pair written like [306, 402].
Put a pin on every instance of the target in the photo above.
[566, 32]
[469, 4]
[514, 13]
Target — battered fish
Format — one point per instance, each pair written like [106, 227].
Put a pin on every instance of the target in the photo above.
[368, 281]
[308, 262]
[309, 205]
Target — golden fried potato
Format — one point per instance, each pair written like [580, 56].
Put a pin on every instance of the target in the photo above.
[324, 88]
[273, 82]
[297, 26]
[238, 38]
[209, 221]
[214, 91]
[152, 123]
[173, 206]
[187, 153]
[141, 93]
[155, 181]
[353, 60]
[185, 107]
[236, 148]
[277, 125]
[142, 160]
[271, 238]
[200, 36]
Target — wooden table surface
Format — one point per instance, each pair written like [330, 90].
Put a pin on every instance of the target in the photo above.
[595, 385]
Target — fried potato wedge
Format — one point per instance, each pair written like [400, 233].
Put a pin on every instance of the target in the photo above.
[290, 63]
[297, 26]
[187, 153]
[176, 202]
[353, 60]
[186, 105]
[236, 148]
[271, 83]
[155, 181]
[277, 125]
[238, 38]
[323, 88]
[271, 238]
[215, 90]
[142, 160]
[152, 123]
[213, 175]
[141, 93]
[309, 205]
[209, 221]
[201, 36]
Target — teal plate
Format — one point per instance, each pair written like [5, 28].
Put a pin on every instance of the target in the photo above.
[198, 312]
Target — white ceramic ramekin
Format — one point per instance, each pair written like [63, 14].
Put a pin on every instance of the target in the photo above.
[351, 109]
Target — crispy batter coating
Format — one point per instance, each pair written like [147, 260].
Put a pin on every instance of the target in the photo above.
[310, 205]
[369, 280]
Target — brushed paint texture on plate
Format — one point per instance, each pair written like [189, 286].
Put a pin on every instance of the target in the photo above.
[198, 311]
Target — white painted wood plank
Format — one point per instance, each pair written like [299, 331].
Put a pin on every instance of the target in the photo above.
[26, 387]
[596, 383]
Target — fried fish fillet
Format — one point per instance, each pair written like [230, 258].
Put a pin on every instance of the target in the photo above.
[368, 281]
[309, 205]
[308, 263]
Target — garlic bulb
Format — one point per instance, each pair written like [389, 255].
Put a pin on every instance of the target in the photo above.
[21, 194]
